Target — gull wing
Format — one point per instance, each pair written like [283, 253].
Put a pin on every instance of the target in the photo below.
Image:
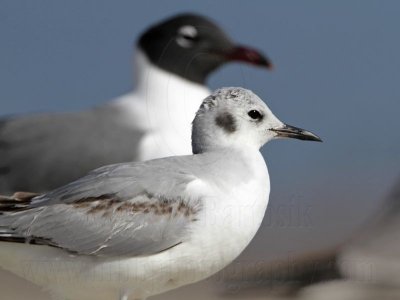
[40, 152]
[126, 209]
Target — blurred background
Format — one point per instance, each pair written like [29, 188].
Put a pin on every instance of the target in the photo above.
[337, 74]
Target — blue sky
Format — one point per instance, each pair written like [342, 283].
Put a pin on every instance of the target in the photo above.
[337, 74]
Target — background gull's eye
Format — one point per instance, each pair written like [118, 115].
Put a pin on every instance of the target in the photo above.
[187, 35]
[255, 114]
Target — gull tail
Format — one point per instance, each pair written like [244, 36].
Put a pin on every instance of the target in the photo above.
[17, 202]
[10, 206]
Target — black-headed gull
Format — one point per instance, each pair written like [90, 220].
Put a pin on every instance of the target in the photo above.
[172, 62]
[134, 230]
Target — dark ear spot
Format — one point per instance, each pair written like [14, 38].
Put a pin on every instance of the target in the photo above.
[226, 121]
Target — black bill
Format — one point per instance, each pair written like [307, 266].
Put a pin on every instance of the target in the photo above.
[295, 133]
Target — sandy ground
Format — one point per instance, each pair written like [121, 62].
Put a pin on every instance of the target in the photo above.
[14, 288]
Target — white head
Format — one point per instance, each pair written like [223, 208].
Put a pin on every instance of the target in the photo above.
[234, 117]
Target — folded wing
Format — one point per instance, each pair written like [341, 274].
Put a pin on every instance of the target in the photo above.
[127, 209]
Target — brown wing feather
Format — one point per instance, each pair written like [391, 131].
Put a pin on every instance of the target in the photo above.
[17, 202]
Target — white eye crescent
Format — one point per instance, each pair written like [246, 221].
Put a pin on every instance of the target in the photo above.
[186, 36]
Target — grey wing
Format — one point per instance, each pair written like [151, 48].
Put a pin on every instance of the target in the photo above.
[132, 218]
[42, 152]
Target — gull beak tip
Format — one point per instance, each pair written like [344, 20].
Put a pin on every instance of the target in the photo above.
[251, 56]
[313, 137]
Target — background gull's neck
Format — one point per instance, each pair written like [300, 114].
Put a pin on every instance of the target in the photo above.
[172, 100]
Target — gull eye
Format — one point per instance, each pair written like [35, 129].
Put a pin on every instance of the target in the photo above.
[187, 35]
[255, 114]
